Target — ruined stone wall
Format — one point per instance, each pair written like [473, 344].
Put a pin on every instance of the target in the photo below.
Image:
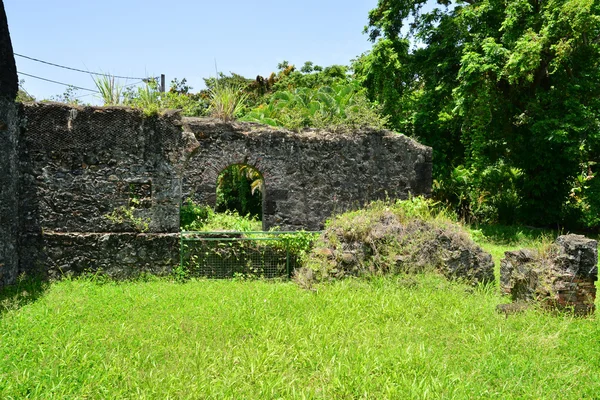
[65, 170]
[563, 277]
[78, 166]
[8, 158]
[81, 165]
[308, 175]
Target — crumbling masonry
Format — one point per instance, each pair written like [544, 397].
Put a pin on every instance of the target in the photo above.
[65, 170]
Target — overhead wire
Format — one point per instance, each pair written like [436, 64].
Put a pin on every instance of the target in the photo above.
[57, 82]
[79, 70]
[131, 84]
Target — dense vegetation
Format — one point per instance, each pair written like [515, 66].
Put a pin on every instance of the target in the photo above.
[506, 92]
[395, 237]
[508, 95]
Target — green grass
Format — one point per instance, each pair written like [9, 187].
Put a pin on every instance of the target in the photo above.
[497, 239]
[396, 337]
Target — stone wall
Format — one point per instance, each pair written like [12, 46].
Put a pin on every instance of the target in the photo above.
[310, 174]
[94, 170]
[8, 158]
[119, 255]
[88, 171]
[563, 277]
[80, 164]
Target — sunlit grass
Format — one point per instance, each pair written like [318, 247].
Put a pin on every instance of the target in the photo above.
[396, 337]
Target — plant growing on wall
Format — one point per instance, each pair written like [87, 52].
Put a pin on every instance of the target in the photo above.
[126, 215]
[226, 101]
[328, 107]
[110, 90]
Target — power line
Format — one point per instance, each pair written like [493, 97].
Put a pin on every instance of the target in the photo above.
[90, 94]
[76, 69]
[135, 83]
[59, 83]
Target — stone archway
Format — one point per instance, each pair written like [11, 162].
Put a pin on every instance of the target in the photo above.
[310, 174]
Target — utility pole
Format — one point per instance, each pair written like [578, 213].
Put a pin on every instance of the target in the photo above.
[162, 83]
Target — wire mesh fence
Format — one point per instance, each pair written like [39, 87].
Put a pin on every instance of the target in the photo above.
[229, 254]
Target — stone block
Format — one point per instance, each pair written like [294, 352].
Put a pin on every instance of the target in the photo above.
[563, 277]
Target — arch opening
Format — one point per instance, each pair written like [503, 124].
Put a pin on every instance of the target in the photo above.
[241, 190]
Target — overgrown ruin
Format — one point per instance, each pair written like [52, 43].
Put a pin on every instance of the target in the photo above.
[100, 188]
[561, 277]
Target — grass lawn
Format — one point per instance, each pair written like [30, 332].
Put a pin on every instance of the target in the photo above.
[395, 337]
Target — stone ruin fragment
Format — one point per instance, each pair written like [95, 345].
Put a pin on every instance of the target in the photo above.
[563, 277]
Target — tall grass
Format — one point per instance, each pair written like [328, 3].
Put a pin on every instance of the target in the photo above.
[226, 101]
[383, 338]
[110, 90]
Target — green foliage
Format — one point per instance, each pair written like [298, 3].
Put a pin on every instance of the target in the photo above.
[195, 217]
[508, 90]
[69, 96]
[328, 107]
[22, 95]
[226, 102]
[239, 189]
[146, 97]
[310, 76]
[486, 196]
[110, 90]
[391, 338]
[299, 244]
[127, 215]
[385, 75]
[149, 98]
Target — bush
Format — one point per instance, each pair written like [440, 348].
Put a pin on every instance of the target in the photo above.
[195, 217]
[337, 107]
[396, 237]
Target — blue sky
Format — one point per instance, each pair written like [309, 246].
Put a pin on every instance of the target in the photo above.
[181, 38]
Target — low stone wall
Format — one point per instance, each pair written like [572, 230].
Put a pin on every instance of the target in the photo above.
[118, 255]
[563, 278]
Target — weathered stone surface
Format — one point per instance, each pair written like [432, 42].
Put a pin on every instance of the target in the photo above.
[578, 255]
[9, 129]
[9, 185]
[118, 255]
[79, 165]
[310, 174]
[564, 277]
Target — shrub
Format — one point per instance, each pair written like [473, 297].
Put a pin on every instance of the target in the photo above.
[195, 217]
[226, 101]
[109, 89]
[396, 237]
[336, 107]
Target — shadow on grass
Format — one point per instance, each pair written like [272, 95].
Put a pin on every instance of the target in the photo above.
[25, 291]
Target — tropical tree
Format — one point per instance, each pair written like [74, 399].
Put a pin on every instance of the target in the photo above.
[510, 85]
